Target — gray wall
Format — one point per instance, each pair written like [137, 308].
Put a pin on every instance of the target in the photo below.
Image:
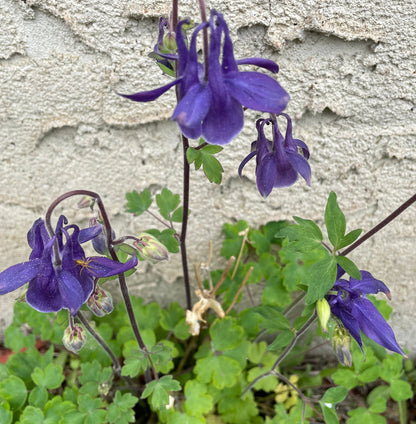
[350, 70]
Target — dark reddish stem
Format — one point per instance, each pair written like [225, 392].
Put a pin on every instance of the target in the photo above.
[380, 225]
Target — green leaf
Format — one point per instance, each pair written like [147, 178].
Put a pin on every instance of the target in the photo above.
[120, 410]
[194, 155]
[282, 340]
[348, 266]
[225, 334]
[51, 377]
[177, 215]
[198, 402]
[6, 416]
[334, 221]
[379, 405]
[346, 378]
[32, 415]
[349, 238]
[268, 384]
[170, 318]
[38, 397]
[272, 318]
[221, 370]
[212, 168]
[135, 365]
[167, 237]
[14, 391]
[167, 202]
[138, 203]
[335, 395]
[400, 390]
[211, 149]
[330, 414]
[159, 390]
[322, 276]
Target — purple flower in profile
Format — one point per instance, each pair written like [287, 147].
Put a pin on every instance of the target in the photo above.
[211, 105]
[58, 273]
[278, 162]
[349, 303]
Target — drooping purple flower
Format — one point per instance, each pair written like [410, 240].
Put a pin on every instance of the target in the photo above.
[357, 313]
[278, 162]
[58, 273]
[211, 105]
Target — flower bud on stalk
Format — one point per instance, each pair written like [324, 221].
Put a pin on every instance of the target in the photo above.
[341, 343]
[151, 248]
[100, 302]
[74, 338]
[324, 313]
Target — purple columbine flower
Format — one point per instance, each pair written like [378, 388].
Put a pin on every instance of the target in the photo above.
[211, 105]
[350, 304]
[278, 162]
[58, 273]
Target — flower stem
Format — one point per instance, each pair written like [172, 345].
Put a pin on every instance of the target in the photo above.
[205, 35]
[380, 225]
[185, 216]
[101, 342]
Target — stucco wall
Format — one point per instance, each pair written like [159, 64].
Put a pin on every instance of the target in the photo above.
[350, 70]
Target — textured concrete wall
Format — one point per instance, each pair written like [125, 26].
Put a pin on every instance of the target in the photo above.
[349, 68]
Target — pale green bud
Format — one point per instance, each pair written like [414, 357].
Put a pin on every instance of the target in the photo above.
[74, 338]
[100, 302]
[151, 248]
[169, 42]
[341, 343]
[324, 313]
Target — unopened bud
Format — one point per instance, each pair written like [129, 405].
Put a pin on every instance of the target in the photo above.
[99, 243]
[74, 338]
[86, 202]
[100, 302]
[169, 42]
[324, 313]
[341, 343]
[151, 248]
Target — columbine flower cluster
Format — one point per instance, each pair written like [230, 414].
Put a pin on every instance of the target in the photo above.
[211, 98]
[349, 303]
[58, 272]
[278, 161]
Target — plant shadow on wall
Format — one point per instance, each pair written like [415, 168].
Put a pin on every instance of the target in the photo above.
[77, 358]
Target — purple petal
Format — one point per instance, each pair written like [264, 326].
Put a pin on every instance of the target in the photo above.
[17, 275]
[244, 162]
[374, 326]
[37, 237]
[368, 284]
[260, 62]
[303, 146]
[266, 173]
[43, 294]
[257, 91]
[148, 96]
[223, 122]
[193, 107]
[301, 165]
[102, 267]
[87, 234]
[71, 291]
